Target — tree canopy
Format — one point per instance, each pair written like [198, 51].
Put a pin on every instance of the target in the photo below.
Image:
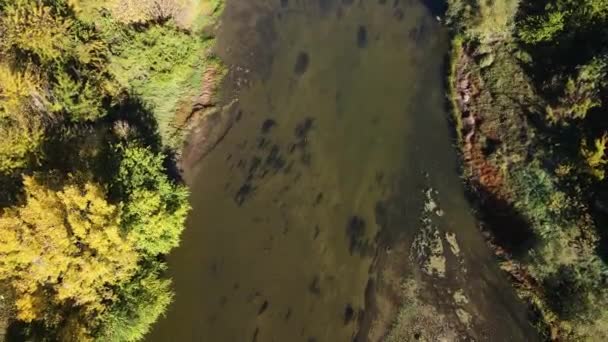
[88, 206]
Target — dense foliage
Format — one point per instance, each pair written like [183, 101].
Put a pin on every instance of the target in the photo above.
[88, 205]
[532, 78]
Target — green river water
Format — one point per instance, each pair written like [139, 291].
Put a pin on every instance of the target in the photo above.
[339, 128]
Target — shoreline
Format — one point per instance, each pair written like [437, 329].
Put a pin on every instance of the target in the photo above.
[464, 125]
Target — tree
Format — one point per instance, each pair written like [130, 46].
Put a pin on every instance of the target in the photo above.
[595, 157]
[64, 249]
[562, 17]
[581, 93]
[21, 127]
[80, 99]
[141, 302]
[155, 208]
[34, 27]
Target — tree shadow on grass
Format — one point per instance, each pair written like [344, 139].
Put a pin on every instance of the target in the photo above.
[509, 230]
[140, 118]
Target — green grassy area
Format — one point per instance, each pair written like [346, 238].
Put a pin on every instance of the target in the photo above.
[536, 159]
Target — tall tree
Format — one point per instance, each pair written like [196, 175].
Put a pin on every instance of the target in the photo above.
[63, 249]
[155, 207]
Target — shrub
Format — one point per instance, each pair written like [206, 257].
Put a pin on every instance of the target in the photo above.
[155, 208]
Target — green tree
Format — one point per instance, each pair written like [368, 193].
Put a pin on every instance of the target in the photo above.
[155, 207]
[562, 17]
[581, 93]
[80, 99]
[595, 157]
[141, 302]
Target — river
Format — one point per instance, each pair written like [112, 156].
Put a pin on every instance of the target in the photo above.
[340, 141]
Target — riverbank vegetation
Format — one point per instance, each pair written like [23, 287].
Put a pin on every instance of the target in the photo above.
[529, 90]
[90, 199]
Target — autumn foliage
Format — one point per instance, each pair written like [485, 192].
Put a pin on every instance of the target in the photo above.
[87, 205]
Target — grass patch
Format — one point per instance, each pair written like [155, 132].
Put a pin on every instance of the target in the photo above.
[455, 56]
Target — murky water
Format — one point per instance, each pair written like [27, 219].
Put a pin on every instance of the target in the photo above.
[338, 131]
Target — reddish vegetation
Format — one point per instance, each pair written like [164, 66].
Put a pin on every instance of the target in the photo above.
[482, 172]
[488, 182]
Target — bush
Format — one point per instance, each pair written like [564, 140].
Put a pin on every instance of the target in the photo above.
[142, 301]
[161, 65]
[155, 208]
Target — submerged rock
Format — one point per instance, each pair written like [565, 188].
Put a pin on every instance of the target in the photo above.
[362, 37]
[302, 62]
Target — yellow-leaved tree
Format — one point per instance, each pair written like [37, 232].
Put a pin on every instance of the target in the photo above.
[595, 156]
[33, 27]
[62, 251]
[21, 128]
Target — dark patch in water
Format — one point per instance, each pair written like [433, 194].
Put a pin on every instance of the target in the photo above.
[339, 13]
[395, 3]
[315, 286]
[362, 37]
[418, 33]
[274, 159]
[267, 125]
[239, 115]
[288, 168]
[381, 213]
[254, 338]
[312, 339]
[264, 58]
[263, 143]
[382, 2]
[398, 14]
[284, 3]
[306, 158]
[317, 232]
[223, 300]
[349, 314]
[325, 5]
[437, 8]
[319, 198]
[288, 314]
[302, 62]
[243, 194]
[263, 308]
[348, 2]
[253, 167]
[303, 128]
[355, 231]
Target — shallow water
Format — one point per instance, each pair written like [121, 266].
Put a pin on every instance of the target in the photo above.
[340, 128]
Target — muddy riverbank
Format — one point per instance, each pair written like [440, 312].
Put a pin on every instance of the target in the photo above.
[331, 208]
